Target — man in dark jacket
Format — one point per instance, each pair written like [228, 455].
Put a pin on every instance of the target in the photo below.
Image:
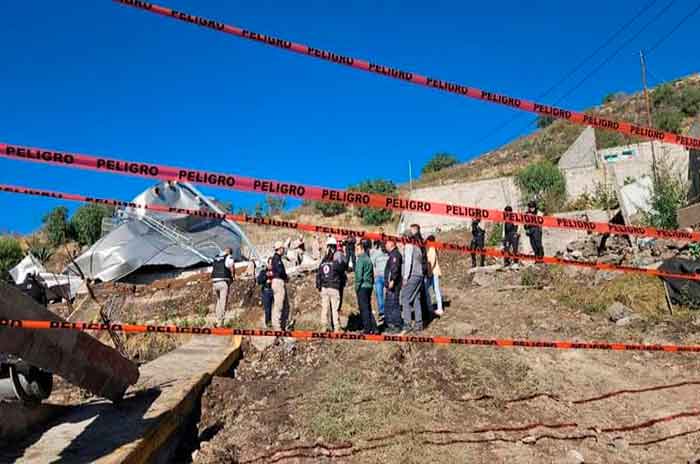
[279, 288]
[392, 283]
[330, 279]
[511, 238]
[222, 274]
[478, 241]
[265, 281]
[534, 232]
[350, 244]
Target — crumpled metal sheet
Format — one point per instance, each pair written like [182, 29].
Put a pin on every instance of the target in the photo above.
[133, 244]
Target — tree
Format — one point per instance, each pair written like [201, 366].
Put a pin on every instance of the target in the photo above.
[375, 216]
[86, 223]
[543, 182]
[544, 121]
[275, 205]
[40, 249]
[329, 209]
[10, 255]
[56, 225]
[439, 162]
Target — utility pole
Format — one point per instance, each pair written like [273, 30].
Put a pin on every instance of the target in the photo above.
[410, 177]
[648, 104]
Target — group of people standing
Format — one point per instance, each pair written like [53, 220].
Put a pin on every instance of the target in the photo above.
[399, 281]
[510, 238]
[399, 274]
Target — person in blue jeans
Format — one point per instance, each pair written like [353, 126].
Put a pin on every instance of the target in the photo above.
[379, 257]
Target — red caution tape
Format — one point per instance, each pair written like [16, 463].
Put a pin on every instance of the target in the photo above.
[267, 221]
[414, 78]
[309, 335]
[324, 194]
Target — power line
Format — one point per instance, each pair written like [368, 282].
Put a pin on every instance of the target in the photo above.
[674, 29]
[617, 51]
[573, 70]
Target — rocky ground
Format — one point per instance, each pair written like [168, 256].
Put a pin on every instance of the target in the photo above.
[364, 402]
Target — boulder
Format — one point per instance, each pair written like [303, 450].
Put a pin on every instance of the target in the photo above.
[618, 311]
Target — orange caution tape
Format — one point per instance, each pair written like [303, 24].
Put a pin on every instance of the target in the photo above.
[309, 335]
[267, 221]
[414, 78]
[324, 194]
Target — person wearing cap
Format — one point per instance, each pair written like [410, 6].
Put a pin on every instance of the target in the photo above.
[279, 282]
[264, 279]
[392, 285]
[511, 238]
[329, 281]
[364, 282]
[379, 257]
[413, 277]
[222, 274]
[478, 241]
[534, 231]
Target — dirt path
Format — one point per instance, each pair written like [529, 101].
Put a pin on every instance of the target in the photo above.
[363, 402]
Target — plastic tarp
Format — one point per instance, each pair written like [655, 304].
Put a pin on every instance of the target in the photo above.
[682, 291]
[635, 198]
[58, 286]
[149, 238]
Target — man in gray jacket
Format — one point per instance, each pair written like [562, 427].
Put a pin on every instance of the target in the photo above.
[412, 285]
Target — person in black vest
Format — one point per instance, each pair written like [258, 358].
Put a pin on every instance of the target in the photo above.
[330, 279]
[426, 303]
[222, 274]
[511, 238]
[534, 232]
[350, 244]
[264, 279]
[392, 282]
[279, 286]
[478, 241]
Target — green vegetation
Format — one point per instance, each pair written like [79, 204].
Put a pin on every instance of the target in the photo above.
[86, 223]
[544, 121]
[275, 205]
[543, 182]
[439, 162]
[603, 197]
[10, 255]
[40, 249]
[669, 120]
[375, 216]
[56, 225]
[669, 194]
[495, 235]
[329, 209]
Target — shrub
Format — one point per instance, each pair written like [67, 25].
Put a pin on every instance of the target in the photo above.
[439, 162]
[543, 182]
[329, 209]
[495, 235]
[56, 225]
[10, 255]
[275, 205]
[690, 101]
[86, 223]
[664, 96]
[608, 139]
[668, 120]
[544, 121]
[375, 216]
[40, 249]
[669, 194]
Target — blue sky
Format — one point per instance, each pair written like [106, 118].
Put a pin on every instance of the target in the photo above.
[100, 78]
